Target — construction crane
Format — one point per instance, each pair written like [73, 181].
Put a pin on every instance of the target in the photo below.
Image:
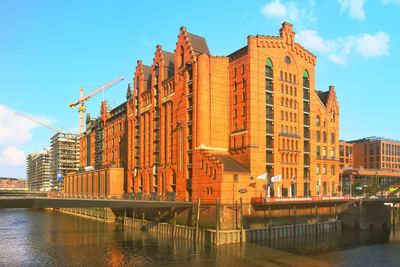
[82, 99]
[38, 122]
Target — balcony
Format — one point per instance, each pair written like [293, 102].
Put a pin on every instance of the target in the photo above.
[306, 120]
[306, 107]
[306, 95]
[269, 85]
[270, 113]
[306, 133]
[306, 83]
[269, 99]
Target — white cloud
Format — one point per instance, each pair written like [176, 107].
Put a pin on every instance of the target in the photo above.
[12, 156]
[355, 8]
[14, 131]
[371, 46]
[396, 2]
[289, 12]
[337, 50]
[274, 9]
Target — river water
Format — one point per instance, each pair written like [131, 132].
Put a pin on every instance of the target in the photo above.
[48, 238]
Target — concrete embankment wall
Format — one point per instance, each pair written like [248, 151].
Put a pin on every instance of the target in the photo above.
[233, 236]
[98, 214]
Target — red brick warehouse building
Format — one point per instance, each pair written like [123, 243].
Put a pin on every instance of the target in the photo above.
[206, 126]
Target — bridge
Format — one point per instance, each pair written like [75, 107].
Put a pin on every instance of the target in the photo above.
[47, 202]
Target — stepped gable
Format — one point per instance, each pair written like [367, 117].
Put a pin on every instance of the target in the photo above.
[198, 43]
[231, 165]
[328, 98]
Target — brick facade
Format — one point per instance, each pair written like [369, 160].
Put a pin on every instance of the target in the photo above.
[202, 126]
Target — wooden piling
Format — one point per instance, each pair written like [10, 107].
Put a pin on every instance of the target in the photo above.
[217, 217]
[197, 219]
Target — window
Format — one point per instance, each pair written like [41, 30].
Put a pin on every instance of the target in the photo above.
[235, 100]
[318, 169]
[324, 137]
[282, 116]
[318, 120]
[318, 136]
[234, 72]
[235, 87]
[324, 151]
[244, 111]
[244, 97]
[182, 58]
[324, 169]
[235, 113]
[242, 68]
[332, 152]
[318, 151]
[332, 138]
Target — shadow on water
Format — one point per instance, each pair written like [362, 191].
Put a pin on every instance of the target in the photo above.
[322, 243]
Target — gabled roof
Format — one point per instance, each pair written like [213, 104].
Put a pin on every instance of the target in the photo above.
[199, 44]
[231, 165]
[323, 96]
[169, 59]
[146, 77]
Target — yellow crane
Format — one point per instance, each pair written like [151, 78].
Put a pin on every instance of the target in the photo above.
[82, 99]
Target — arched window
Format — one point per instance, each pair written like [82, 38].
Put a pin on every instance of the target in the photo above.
[182, 57]
[306, 79]
[268, 68]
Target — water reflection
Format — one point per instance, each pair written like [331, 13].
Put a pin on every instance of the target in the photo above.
[45, 238]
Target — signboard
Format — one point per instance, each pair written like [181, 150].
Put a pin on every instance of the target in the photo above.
[242, 191]
[59, 176]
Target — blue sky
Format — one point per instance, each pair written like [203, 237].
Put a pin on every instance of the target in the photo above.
[49, 49]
